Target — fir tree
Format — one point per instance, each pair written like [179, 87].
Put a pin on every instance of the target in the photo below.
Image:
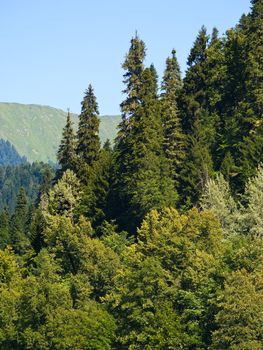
[174, 139]
[67, 149]
[197, 123]
[134, 67]
[18, 227]
[4, 229]
[88, 145]
[145, 180]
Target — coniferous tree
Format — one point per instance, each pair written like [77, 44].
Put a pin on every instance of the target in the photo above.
[146, 181]
[174, 139]
[192, 100]
[197, 123]
[18, 228]
[134, 67]
[67, 149]
[88, 144]
[94, 203]
[4, 229]
[242, 100]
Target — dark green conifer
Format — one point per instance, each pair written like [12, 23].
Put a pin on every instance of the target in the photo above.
[88, 145]
[197, 122]
[134, 67]
[145, 181]
[67, 149]
[174, 139]
[4, 229]
[18, 224]
[193, 96]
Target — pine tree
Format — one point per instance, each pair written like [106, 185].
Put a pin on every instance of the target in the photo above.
[88, 144]
[174, 139]
[67, 149]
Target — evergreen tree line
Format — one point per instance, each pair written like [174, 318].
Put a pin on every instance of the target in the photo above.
[156, 242]
[173, 139]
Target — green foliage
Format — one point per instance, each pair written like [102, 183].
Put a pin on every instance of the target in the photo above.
[170, 274]
[217, 198]
[240, 317]
[64, 196]
[253, 211]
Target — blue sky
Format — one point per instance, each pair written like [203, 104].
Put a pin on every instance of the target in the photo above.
[52, 49]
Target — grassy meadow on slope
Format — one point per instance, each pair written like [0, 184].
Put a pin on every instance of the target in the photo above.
[35, 130]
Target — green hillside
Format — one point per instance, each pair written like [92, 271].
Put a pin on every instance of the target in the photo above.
[35, 130]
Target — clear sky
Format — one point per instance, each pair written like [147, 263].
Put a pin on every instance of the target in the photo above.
[52, 49]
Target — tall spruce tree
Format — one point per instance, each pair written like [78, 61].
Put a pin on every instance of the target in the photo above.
[197, 123]
[67, 149]
[134, 67]
[18, 225]
[193, 97]
[174, 139]
[88, 144]
[242, 101]
[4, 229]
[146, 178]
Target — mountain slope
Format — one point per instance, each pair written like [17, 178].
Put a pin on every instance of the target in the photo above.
[35, 130]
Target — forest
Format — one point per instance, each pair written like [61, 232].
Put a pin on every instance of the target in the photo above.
[155, 241]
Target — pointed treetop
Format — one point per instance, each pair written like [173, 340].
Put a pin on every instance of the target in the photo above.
[134, 66]
[89, 101]
[66, 155]
[88, 147]
[197, 53]
[214, 36]
[172, 75]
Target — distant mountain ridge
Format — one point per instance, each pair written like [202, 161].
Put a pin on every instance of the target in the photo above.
[35, 130]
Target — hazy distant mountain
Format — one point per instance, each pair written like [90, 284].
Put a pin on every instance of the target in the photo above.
[35, 130]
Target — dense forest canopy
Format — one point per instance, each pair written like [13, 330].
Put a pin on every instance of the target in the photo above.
[156, 241]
